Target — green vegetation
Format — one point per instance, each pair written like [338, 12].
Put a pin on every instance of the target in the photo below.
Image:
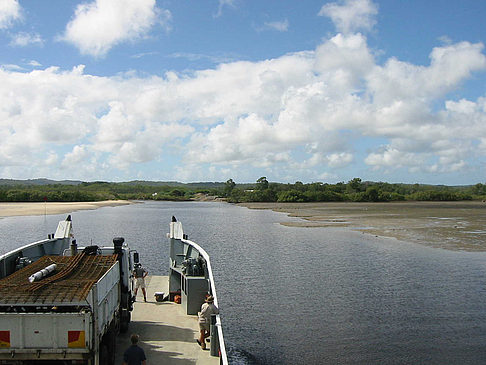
[354, 190]
[99, 190]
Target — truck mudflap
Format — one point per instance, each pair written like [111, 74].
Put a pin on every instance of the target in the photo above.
[45, 336]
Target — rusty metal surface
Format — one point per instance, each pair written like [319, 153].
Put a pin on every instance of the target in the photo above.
[71, 282]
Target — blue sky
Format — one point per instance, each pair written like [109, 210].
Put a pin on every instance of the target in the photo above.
[197, 90]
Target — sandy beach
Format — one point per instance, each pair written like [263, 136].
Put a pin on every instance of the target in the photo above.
[16, 209]
[447, 225]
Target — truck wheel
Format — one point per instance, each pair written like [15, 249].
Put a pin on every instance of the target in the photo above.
[107, 349]
[125, 320]
[104, 353]
[123, 327]
[111, 343]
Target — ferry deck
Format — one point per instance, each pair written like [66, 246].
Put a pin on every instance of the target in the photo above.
[167, 334]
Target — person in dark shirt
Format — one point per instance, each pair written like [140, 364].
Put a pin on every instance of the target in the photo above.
[134, 355]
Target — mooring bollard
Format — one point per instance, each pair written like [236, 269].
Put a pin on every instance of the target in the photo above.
[214, 348]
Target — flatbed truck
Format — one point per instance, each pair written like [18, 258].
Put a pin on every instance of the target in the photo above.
[71, 315]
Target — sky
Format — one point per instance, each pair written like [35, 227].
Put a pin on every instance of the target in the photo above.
[208, 90]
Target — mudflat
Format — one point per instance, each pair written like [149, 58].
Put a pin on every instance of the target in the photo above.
[16, 209]
[447, 225]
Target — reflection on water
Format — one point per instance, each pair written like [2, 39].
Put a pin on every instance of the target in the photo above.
[307, 295]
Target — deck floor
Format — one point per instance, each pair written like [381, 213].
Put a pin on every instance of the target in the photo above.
[167, 335]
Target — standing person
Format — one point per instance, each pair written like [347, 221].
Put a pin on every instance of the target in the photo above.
[134, 355]
[140, 273]
[204, 316]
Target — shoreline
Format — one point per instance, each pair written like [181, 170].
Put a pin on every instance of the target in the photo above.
[456, 226]
[51, 208]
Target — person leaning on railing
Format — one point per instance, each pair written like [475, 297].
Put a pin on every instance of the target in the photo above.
[204, 319]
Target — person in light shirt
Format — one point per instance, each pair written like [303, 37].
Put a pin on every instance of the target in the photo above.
[204, 319]
[140, 273]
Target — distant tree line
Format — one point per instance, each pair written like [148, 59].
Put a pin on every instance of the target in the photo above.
[94, 191]
[354, 190]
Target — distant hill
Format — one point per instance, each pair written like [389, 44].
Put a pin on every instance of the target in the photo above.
[39, 182]
[197, 185]
[11, 182]
[193, 185]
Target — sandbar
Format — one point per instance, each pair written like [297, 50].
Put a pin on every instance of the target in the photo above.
[22, 209]
[446, 225]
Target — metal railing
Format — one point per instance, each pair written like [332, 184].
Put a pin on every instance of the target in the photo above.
[212, 288]
[176, 232]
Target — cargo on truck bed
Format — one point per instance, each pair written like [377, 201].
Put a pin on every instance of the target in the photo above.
[68, 285]
[61, 303]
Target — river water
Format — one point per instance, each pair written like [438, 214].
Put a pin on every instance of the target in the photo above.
[305, 295]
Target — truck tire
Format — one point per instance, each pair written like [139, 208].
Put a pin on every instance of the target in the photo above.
[103, 353]
[112, 348]
[125, 320]
[107, 349]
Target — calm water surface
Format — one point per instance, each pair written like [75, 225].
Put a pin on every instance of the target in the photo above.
[306, 296]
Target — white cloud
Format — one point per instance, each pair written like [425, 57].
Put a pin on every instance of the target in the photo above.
[100, 25]
[51, 159]
[445, 39]
[280, 26]
[339, 159]
[144, 54]
[81, 163]
[332, 160]
[482, 145]
[222, 4]
[450, 65]
[78, 156]
[11, 67]
[10, 11]
[24, 39]
[309, 113]
[34, 63]
[146, 144]
[115, 127]
[326, 176]
[247, 139]
[351, 15]
[390, 157]
[217, 59]
[344, 61]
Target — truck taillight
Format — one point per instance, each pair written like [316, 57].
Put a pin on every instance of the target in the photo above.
[4, 338]
[76, 339]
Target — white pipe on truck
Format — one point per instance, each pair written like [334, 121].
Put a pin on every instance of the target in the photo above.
[43, 273]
